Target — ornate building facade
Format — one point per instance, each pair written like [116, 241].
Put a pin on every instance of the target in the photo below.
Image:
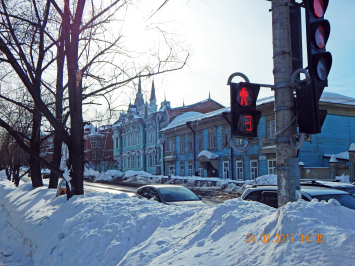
[137, 141]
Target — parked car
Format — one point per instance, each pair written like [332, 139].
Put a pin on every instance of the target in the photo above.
[170, 195]
[331, 184]
[268, 195]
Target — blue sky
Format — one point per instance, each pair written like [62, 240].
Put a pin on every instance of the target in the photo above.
[236, 36]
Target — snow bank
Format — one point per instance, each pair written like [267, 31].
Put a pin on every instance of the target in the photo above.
[343, 178]
[108, 175]
[91, 173]
[105, 229]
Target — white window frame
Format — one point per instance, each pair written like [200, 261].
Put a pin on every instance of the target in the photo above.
[182, 144]
[239, 170]
[199, 141]
[117, 143]
[212, 141]
[271, 169]
[96, 143]
[225, 169]
[270, 128]
[171, 169]
[253, 170]
[182, 170]
[190, 172]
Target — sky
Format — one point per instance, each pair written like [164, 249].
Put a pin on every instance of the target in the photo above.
[230, 36]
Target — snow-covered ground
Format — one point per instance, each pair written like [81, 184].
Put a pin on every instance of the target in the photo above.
[106, 229]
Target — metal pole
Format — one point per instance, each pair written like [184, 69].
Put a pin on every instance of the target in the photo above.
[284, 100]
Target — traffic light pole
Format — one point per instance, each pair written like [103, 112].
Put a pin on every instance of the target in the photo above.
[284, 103]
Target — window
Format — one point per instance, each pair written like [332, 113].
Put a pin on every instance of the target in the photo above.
[190, 170]
[170, 144]
[199, 141]
[270, 198]
[182, 170]
[253, 169]
[212, 138]
[151, 160]
[171, 169]
[182, 144]
[225, 170]
[96, 155]
[191, 143]
[253, 196]
[96, 143]
[225, 137]
[116, 143]
[271, 166]
[270, 128]
[239, 168]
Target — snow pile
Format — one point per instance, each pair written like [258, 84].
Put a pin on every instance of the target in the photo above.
[266, 180]
[103, 177]
[115, 173]
[108, 175]
[343, 178]
[105, 229]
[90, 173]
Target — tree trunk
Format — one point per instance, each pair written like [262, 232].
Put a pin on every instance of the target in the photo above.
[76, 149]
[16, 176]
[8, 173]
[35, 145]
[57, 153]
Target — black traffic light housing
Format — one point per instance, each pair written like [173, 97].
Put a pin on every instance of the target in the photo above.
[244, 116]
[310, 118]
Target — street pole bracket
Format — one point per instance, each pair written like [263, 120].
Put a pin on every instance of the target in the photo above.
[239, 74]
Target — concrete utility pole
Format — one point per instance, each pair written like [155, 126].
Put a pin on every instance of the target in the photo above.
[284, 100]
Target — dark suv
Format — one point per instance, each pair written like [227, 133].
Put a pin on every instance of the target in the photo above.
[268, 195]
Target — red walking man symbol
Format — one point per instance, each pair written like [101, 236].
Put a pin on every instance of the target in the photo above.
[243, 95]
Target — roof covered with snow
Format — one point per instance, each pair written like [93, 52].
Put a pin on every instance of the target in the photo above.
[208, 154]
[181, 119]
[341, 156]
[327, 97]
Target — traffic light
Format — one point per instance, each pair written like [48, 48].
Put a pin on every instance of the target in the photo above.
[310, 118]
[245, 118]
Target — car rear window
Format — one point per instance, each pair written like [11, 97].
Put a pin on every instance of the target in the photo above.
[344, 200]
[177, 194]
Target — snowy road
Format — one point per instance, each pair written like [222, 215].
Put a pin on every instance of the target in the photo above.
[115, 189]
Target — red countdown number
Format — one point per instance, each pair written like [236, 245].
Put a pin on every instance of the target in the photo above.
[245, 123]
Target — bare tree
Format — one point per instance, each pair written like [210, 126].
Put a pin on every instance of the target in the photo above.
[89, 53]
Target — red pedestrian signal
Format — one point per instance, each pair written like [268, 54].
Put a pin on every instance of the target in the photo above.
[244, 98]
[244, 116]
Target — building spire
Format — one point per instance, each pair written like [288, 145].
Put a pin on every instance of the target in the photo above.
[139, 86]
[209, 95]
[152, 94]
[183, 102]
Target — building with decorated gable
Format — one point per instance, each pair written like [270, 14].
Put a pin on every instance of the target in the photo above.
[137, 141]
[198, 143]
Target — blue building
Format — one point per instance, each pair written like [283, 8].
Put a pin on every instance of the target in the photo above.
[138, 143]
[199, 143]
